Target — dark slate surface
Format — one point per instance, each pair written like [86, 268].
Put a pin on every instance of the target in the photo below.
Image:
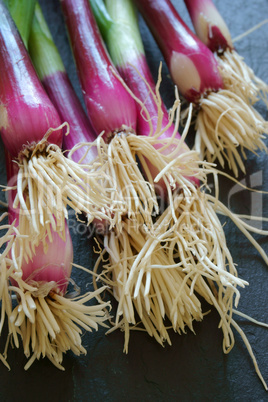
[194, 368]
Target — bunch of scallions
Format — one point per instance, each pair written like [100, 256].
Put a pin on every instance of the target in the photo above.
[126, 160]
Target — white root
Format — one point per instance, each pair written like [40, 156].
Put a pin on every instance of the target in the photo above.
[161, 161]
[239, 78]
[50, 182]
[250, 351]
[50, 325]
[158, 288]
[160, 274]
[9, 266]
[223, 124]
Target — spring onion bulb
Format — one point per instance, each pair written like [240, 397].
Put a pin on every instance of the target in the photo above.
[32, 133]
[212, 30]
[45, 317]
[224, 120]
[48, 321]
[153, 119]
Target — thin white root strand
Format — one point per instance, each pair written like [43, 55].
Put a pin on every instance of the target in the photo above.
[250, 30]
[247, 317]
[250, 351]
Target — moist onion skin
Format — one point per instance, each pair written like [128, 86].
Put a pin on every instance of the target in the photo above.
[25, 109]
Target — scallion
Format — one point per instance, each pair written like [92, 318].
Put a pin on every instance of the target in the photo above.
[32, 133]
